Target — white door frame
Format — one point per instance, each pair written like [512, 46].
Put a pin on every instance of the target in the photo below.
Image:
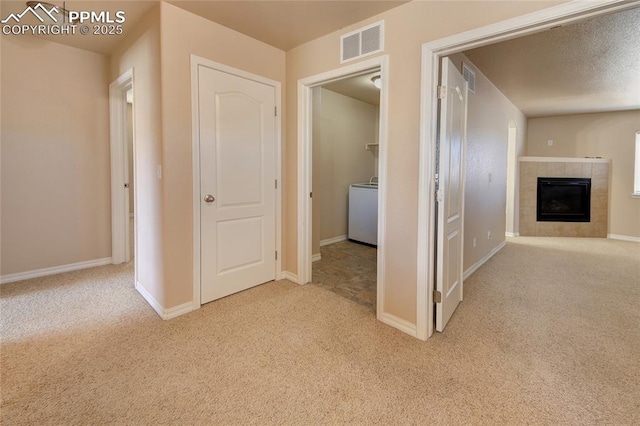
[305, 87]
[120, 251]
[431, 54]
[512, 208]
[197, 61]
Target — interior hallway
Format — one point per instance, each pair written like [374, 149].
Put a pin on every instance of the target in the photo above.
[548, 333]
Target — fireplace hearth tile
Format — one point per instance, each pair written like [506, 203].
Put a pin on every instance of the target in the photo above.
[573, 170]
[600, 200]
[599, 186]
[543, 169]
[555, 170]
[600, 171]
[597, 170]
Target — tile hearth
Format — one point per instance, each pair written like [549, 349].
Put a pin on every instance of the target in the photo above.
[531, 168]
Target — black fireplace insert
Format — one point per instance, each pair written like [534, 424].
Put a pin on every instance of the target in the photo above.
[564, 199]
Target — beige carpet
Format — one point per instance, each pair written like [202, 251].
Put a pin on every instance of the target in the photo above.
[549, 333]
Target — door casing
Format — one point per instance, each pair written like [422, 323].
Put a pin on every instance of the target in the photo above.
[432, 52]
[197, 61]
[120, 251]
[304, 165]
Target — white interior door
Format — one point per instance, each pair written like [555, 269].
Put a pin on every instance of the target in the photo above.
[237, 183]
[450, 193]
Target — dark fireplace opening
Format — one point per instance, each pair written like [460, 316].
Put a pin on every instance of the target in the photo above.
[564, 199]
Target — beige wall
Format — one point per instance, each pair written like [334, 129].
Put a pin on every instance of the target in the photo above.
[160, 54]
[55, 155]
[406, 28]
[608, 135]
[182, 34]
[141, 51]
[342, 126]
[488, 116]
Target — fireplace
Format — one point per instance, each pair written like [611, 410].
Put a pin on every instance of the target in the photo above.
[564, 199]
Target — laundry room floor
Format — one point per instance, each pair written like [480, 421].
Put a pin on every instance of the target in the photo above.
[348, 269]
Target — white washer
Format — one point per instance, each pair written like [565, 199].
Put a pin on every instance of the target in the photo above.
[363, 213]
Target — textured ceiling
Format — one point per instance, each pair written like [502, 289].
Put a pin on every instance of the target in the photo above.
[590, 66]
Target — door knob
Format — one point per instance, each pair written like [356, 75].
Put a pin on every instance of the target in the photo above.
[209, 198]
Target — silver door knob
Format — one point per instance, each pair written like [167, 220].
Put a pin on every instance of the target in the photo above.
[209, 198]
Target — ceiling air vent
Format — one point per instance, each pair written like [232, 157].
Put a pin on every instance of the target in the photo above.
[363, 42]
[470, 76]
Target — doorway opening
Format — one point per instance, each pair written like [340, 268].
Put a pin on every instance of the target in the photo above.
[305, 175]
[345, 141]
[130, 180]
[122, 124]
[432, 53]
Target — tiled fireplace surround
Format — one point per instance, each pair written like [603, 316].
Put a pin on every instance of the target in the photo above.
[531, 168]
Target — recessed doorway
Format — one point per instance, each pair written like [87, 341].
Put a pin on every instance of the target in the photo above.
[345, 141]
[305, 174]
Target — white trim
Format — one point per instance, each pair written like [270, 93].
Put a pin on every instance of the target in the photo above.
[165, 314]
[511, 234]
[316, 257]
[36, 273]
[399, 323]
[120, 250]
[197, 61]
[286, 275]
[304, 166]
[484, 260]
[431, 54]
[636, 168]
[623, 238]
[563, 159]
[333, 240]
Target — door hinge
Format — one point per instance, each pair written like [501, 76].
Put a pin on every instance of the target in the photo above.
[439, 195]
[437, 297]
[275, 111]
[311, 195]
[276, 254]
[276, 183]
[442, 92]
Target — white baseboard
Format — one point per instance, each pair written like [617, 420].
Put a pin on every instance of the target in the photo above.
[316, 257]
[19, 276]
[286, 275]
[176, 311]
[511, 234]
[399, 323]
[165, 314]
[624, 238]
[482, 261]
[333, 240]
